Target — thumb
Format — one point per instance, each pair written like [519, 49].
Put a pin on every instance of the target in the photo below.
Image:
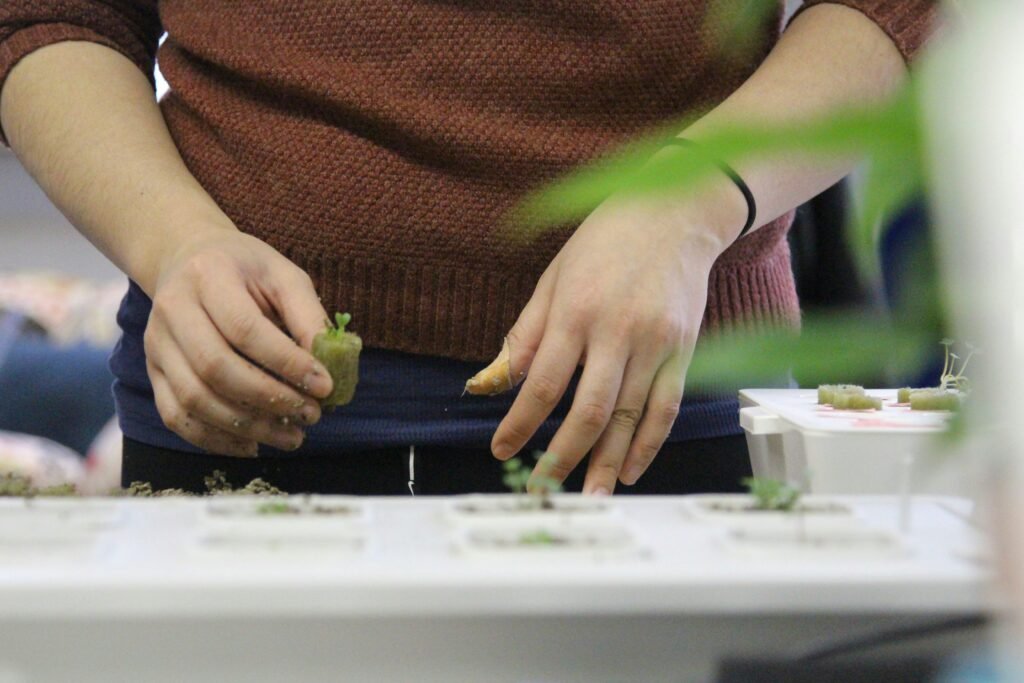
[299, 307]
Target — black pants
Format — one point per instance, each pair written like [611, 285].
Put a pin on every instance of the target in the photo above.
[688, 467]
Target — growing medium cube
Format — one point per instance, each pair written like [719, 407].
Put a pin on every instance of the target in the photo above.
[934, 399]
[854, 401]
[339, 351]
[827, 392]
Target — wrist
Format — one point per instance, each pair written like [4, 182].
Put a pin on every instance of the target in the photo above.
[721, 202]
[172, 240]
[701, 223]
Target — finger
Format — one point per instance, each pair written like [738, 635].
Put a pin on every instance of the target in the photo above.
[241, 322]
[296, 302]
[588, 417]
[506, 371]
[190, 428]
[659, 416]
[199, 400]
[549, 376]
[525, 336]
[609, 453]
[220, 367]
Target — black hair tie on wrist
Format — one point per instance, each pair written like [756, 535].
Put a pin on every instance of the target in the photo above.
[733, 176]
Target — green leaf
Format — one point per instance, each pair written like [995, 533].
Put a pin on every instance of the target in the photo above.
[887, 128]
[838, 346]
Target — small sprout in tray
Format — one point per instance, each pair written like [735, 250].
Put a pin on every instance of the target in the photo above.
[535, 490]
[286, 508]
[770, 494]
[541, 538]
[277, 508]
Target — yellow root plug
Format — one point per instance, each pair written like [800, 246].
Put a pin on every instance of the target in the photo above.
[495, 378]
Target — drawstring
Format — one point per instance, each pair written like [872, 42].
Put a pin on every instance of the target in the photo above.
[412, 470]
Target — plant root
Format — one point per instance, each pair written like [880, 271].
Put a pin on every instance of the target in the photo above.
[496, 378]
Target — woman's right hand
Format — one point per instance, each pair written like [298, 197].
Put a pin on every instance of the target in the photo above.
[227, 345]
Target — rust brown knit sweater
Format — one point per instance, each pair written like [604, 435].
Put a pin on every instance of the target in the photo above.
[378, 144]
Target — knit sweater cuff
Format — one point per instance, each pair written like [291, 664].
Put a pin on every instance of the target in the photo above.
[21, 43]
[908, 23]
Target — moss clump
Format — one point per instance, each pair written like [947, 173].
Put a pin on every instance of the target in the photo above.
[58, 490]
[218, 485]
[258, 487]
[14, 485]
[20, 486]
[143, 489]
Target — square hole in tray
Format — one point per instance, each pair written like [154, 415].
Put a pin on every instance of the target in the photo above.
[543, 541]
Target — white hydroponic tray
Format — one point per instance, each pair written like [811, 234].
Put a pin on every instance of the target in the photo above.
[825, 450]
[153, 590]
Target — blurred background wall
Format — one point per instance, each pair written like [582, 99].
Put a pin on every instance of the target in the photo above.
[34, 235]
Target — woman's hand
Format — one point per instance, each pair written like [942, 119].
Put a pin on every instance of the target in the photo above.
[227, 345]
[624, 297]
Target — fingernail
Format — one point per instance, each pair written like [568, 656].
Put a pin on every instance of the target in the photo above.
[601, 491]
[317, 382]
[308, 414]
[288, 441]
[630, 476]
[502, 451]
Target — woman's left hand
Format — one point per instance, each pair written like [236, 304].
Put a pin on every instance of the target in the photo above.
[625, 298]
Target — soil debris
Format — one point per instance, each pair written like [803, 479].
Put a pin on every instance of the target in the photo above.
[17, 485]
[14, 485]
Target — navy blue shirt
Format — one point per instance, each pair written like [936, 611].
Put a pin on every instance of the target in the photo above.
[402, 399]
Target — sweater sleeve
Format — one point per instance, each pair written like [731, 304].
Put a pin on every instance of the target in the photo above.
[907, 22]
[132, 27]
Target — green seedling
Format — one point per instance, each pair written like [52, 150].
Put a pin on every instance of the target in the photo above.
[276, 508]
[770, 494]
[536, 489]
[953, 378]
[953, 384]
[538, 537]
